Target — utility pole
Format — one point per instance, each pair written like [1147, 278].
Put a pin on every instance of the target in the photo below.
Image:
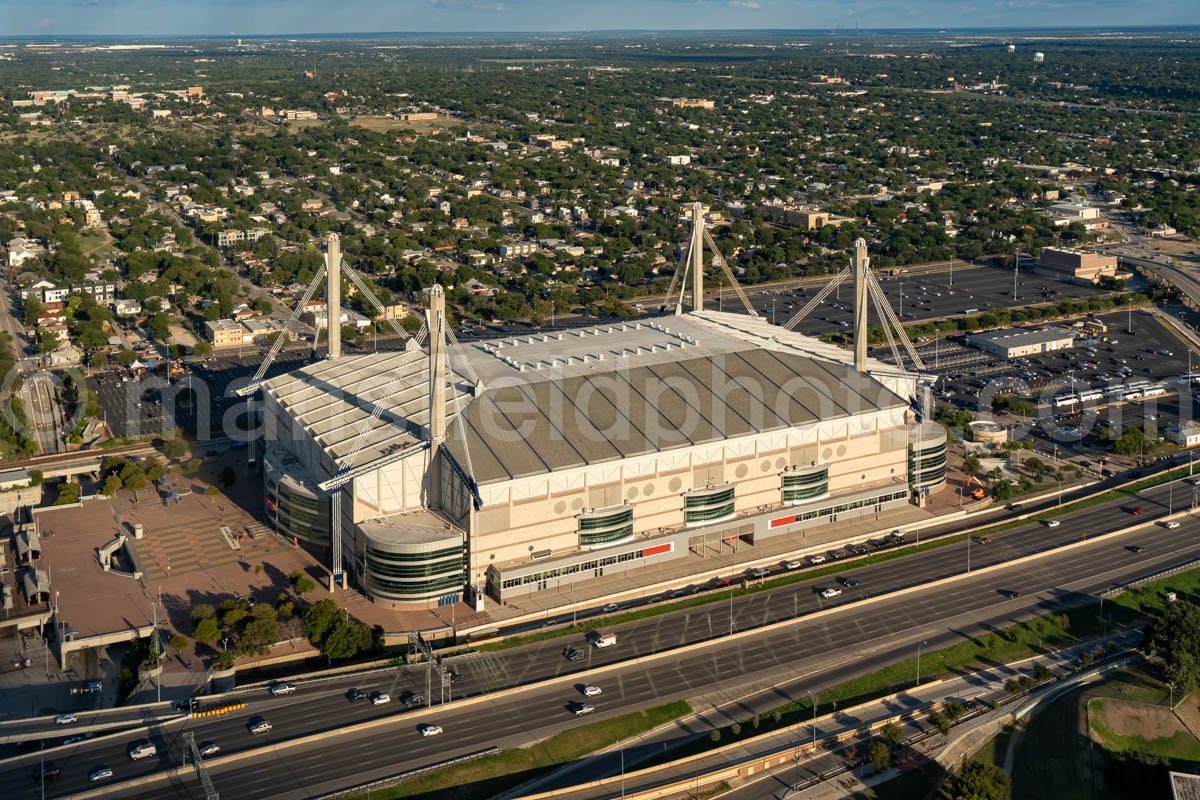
[922, 644]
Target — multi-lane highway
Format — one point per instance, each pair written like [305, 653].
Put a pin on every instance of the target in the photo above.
[856, 638]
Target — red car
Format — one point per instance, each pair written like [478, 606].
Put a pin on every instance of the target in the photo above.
[984, 540]
[1138, 510]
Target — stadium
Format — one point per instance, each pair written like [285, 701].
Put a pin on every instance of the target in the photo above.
[512, 465]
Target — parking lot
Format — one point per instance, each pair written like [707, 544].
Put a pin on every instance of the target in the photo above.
[146, 403]
[1147, 352]
[967, 289]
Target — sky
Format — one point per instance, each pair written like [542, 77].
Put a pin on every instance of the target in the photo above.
[250, 17]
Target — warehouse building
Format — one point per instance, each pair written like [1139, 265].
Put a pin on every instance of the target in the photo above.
[1019, 342]
[1075, 266]
[531, 462]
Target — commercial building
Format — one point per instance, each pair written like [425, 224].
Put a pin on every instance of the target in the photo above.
[810, 219]
[1075, 266]
[1018, 342]
[520, 464]
[225, 332]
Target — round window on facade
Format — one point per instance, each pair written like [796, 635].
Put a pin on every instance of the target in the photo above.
[827, 454]
[675, 485]
[780, 463]
[841, 451]
[766, 466]
[632, 493]
[577, 503]
[741, 470]
[648, 489]
[560, 507]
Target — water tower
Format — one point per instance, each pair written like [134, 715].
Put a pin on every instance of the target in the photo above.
[1038, 58]
[1012, 48]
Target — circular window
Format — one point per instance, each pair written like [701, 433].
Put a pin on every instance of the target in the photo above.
[560, 507]
[632, 493]
[827, 454]
[648, 489]
[577, 503]
[780, 463]
[492, 557]
[675, 485]
[741, 470]
[766, 466]
[841, 451]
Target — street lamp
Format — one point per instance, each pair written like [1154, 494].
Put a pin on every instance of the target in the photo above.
[922, 644]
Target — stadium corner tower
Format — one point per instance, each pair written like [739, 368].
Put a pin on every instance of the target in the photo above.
[536, 462]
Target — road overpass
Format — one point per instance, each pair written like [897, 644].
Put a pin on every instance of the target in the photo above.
[853, 638]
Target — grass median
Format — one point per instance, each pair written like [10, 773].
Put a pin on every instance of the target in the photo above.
[491, 775]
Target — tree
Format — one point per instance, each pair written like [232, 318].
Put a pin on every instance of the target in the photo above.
[879, 755]
[35, 477]
[1174, 636]
[206, 631]
[175, 448]
[179, 643]
[971, 465]
[112, 484]
[978, 781]
[319, 619]
[892, 733]
[67, 493]
[301, 583]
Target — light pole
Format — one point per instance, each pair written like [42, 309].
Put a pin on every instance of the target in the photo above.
[922, 644]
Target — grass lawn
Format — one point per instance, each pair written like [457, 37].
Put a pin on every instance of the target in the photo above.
[995, 750]
[486, 777]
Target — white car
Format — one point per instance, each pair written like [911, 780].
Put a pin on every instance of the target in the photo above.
[611, 607]
[66, 719]
[832, 591]
[209, 749]
[1052, 523]
[431, 730]
[282, 688]
[583, 708]
[793, 565]
[102, 774]
[260, 726]
[817, 559]
[380, 698]
[592, 691]
[1171, 524]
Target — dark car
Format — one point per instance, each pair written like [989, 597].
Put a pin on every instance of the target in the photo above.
[1011, 594]
[573, 654]
[412, 699]
[1136, 548]
[356, 695]
[47, 772]
[848, 582]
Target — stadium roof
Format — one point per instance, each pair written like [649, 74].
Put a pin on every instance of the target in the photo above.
[569, 399]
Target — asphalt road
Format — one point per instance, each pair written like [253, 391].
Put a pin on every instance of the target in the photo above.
[839, 641]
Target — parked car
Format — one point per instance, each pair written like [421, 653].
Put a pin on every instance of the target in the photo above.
[793, 565]
[611, 607]
[816, 559]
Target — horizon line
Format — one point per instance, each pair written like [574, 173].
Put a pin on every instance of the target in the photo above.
[843, 32]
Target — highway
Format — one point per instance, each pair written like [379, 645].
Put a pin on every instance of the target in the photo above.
[851, 641]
